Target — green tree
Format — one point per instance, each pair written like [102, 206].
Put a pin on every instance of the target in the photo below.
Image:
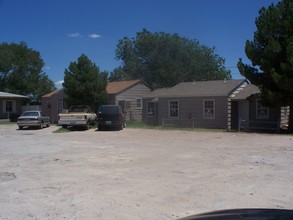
[84, 84]
[21, 71]
[164, 60]
[271, 55]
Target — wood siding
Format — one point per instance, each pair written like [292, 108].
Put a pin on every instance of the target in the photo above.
[50, 105]
[16, 110]
[130, 95]
[191, 113]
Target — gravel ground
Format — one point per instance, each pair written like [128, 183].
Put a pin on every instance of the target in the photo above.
[140, 174]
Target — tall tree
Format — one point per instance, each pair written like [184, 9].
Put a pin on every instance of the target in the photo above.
[84, 84]
[163, 60]
[271, 54]
[21, 71]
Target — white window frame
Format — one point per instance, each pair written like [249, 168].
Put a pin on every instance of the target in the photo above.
[148, 110]
[138, 100]
[209, 109]
[169, 109]
[261, 107]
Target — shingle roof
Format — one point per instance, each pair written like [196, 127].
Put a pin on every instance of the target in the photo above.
[11, 95]
[112, 87]
[200, 88]
[120, 86]
[247, 91]
[52, 93]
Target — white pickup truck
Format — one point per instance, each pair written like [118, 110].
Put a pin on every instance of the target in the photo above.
[77, 116]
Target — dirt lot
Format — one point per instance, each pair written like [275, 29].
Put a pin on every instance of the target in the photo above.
[140, 174]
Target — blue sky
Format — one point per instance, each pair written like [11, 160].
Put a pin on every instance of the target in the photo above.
[62, 30]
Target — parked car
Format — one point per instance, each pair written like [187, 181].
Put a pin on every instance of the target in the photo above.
[244, 214]
[77, 116]
[33, 119]
[110, 116]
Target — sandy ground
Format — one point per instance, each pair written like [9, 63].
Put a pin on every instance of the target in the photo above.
[140, 174]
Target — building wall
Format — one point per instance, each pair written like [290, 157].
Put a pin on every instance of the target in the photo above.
[191, 112]
[53, 105]
[16, 107]
[271, 123]
[129, 98]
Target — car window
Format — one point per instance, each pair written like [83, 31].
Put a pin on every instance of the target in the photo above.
[30, 114]
[108, 110]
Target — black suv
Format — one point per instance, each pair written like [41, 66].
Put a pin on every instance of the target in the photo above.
[110, 116]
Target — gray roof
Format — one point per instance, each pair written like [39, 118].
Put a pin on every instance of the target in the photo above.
[197, 89]
[246, 92]
[11, 95]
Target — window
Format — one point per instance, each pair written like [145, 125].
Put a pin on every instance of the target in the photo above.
[138, 103]
[173, 109]
[9, 106]
[60, 105]
[151, 109]
[262, 112]
[209, 109]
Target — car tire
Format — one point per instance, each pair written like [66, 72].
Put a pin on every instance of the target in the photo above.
[100, 128]
[41, 125]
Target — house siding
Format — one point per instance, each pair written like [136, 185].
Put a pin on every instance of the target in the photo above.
[191, 113]
[16, 110]
[50, 105]
[270, 123]
[130, 95]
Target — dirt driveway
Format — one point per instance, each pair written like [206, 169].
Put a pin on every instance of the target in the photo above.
[140, 174]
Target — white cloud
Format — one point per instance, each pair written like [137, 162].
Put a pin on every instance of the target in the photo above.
[47, 67]
[77, 35]
[59, 84]
[94, 36]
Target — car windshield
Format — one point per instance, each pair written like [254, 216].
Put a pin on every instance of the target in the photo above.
[108, 110]
[30, 114]
[78, 109]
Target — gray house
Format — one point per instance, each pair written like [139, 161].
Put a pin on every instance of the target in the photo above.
[10, 104]
[127, 94]
[207, 104]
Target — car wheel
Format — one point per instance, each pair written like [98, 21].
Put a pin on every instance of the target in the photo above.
[41, 125]
[48, 125]
[87, 127]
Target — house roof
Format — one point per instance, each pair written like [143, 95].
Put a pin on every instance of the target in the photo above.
[52, 93]
[112, 87]
[120, 86]
[246, 92]
[199, 88]
[11, 95]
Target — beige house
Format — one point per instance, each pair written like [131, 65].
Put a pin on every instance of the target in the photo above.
[127, 94]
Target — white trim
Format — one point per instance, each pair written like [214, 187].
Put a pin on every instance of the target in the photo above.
[214, 109]
[154, 113]
[170, 109]
[136, 106]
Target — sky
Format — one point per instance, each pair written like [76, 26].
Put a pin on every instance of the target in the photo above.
[62, 30]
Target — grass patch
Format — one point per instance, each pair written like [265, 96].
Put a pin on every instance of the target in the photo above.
[61, 130]
[142, 125]
[7, 122]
